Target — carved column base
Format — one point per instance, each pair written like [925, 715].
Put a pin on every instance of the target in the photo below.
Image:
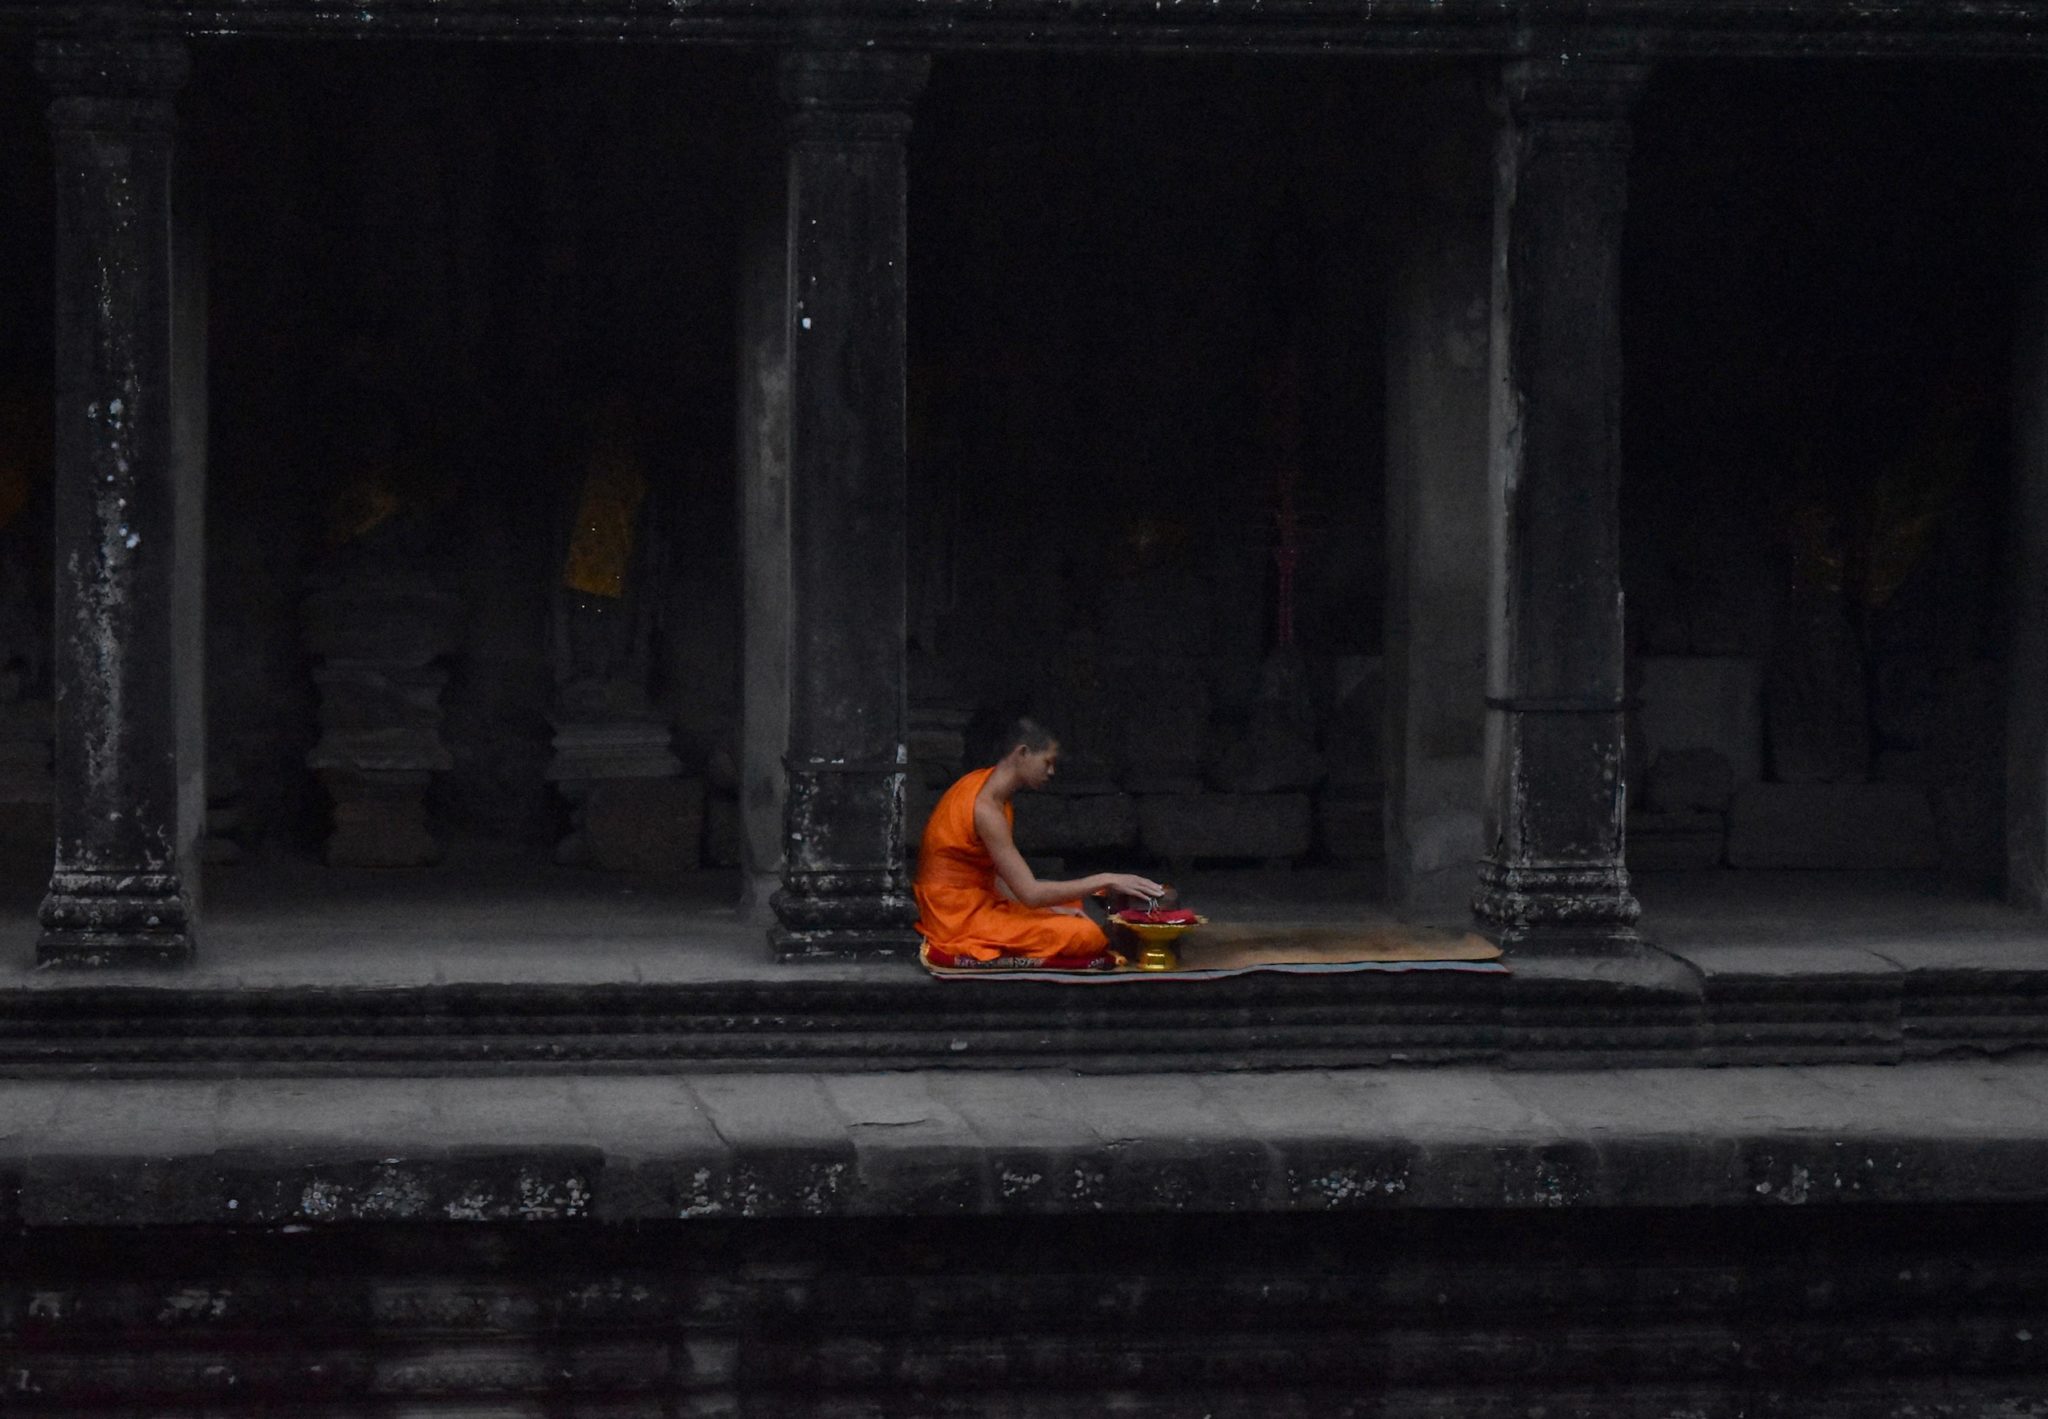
[845, 889]
[844, 914]
[1564, 904]
[113, 919]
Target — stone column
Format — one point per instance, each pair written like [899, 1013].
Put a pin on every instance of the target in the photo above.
[2026, 734]
[1555, 800]
[190, 407]
[1437, 323]
[118, 893]
[764, 533]
[844, 889]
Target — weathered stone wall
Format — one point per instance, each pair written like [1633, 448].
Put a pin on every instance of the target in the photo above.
[1645, 1315]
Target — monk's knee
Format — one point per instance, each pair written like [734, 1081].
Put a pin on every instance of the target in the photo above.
[1083, 938]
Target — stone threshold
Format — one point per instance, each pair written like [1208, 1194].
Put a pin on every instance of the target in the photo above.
[308, 1153]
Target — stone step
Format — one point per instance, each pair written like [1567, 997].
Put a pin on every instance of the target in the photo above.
[298, 1152]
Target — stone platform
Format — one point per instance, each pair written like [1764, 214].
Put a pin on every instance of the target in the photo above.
[497, 962]
[1822, 1242]
[493, 1140]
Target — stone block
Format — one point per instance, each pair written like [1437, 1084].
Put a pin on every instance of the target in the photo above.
[1262, 825]
[1056, 823]
[599, 750]
[395, 749]
[396, 621]
[1871, 826]
[1679, 841]
[644, 825]
[1352, 823]
[1689, 781]
[1704, 702]
[357, 696]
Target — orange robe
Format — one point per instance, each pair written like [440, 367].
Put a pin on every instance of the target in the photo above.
[959, 909]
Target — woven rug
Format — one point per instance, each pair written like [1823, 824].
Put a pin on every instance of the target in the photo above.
[1216, 952]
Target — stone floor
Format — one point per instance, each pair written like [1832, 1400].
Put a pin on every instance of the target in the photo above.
[495, 915]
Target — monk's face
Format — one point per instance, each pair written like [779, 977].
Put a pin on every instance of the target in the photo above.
[1035, 767]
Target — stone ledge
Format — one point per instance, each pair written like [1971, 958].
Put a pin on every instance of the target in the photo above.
[1646, 28]
[638, 1148]
[1684, 1006]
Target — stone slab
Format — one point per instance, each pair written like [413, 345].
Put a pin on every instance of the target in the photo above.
[1863, 826]
[913, 1151]
[1790, 963]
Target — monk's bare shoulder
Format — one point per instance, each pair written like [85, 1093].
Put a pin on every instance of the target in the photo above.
[991, 822]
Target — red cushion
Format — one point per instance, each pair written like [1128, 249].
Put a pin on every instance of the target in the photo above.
[1180, 916]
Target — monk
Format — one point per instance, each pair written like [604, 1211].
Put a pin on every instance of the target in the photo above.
[977, 898]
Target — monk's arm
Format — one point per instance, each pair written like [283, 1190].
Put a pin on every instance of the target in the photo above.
[1014, 873]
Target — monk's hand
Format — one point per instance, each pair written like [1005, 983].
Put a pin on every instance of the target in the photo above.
[1132, 885]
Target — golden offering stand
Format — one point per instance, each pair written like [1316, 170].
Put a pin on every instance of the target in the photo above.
[1157, 949]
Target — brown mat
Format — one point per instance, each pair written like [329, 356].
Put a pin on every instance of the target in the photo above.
[1240, 946]
[1218, 950]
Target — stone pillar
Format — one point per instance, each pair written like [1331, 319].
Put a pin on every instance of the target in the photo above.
[2026, 812]
[844, 889]
[1437, 323]
[1555, 798]
[764, 533]
[190, 406]
[118, 892]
